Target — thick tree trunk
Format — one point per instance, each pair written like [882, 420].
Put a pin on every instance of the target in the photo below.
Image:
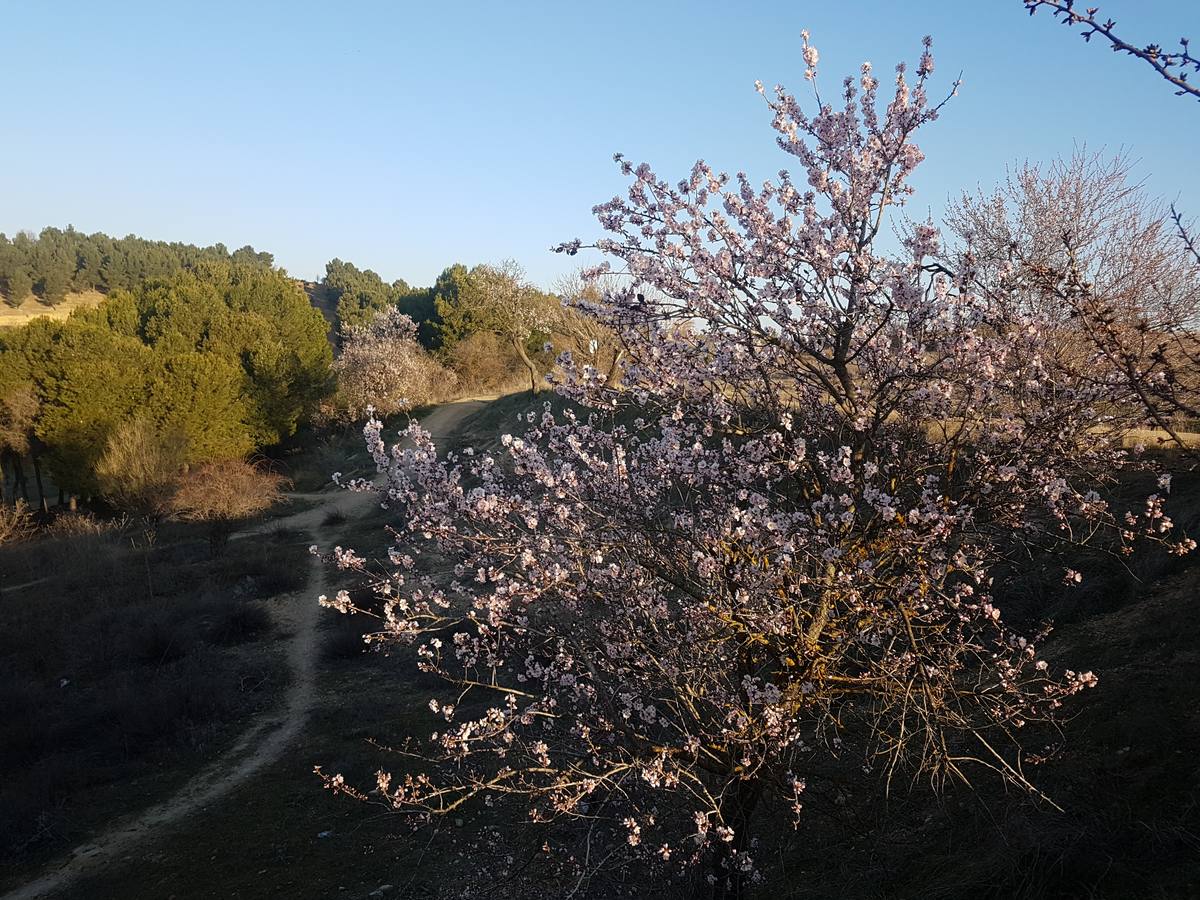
[534, 375]
[737, 809]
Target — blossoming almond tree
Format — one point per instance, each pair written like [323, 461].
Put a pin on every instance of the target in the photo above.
[1083, 241]
[383, 367]
[776, 541]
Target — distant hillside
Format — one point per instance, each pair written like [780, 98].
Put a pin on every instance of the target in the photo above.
[321, 297]
[57, 263]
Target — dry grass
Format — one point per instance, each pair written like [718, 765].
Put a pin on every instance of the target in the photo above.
[1157, 439]
[32, 308]
[1151, 438]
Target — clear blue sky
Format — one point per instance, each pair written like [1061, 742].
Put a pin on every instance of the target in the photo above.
[406, 136]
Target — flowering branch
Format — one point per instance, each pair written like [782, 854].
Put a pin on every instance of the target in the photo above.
[1174, 67]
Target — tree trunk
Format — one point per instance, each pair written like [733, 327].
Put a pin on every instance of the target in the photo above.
[534, 379]
[37, 474]
[19, 483]
[737, 809]
[614, 371]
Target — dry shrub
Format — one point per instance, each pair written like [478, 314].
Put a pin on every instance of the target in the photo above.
[18, 408]
[140, 468]
[484, 364]
[222, 493]
[16, 522]
[83, 524]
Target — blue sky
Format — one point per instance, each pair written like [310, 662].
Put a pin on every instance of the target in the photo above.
[407, 136]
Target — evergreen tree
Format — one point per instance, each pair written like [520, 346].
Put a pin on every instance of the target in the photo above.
[231, 356]
[20, 286]
[61, 260]
[55, 283]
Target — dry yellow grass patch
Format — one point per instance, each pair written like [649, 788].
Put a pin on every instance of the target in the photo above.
[31, 308]
[1157, 439]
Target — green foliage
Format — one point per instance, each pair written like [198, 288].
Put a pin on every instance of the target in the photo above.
[200, 397]
[54, 284]
[58, 261]
[418, 305]
[230, 356]
[453, 324]
[20, 286]
[497, 300]
[89, 381]
[362, 294]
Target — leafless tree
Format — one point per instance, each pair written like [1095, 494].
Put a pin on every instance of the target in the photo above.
[590, 341]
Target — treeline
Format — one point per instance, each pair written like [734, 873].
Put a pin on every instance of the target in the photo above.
[486, 329]
[215, 360]
[198, 356]
[361, 294]
[56, 262]
[447, 318]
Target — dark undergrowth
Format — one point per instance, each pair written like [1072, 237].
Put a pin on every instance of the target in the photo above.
[126, 654]
[312, 457]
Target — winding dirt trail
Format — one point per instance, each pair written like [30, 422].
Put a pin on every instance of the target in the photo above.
[264, 741]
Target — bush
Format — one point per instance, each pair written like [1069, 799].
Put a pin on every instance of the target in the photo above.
[140, 467]
[16, 522]
[484, 365]
[83, 524]
[221, 493]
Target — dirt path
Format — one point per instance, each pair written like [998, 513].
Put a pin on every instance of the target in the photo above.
[24, 585]
[264, 741]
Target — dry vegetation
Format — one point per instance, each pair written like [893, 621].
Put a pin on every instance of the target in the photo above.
[32, 308]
